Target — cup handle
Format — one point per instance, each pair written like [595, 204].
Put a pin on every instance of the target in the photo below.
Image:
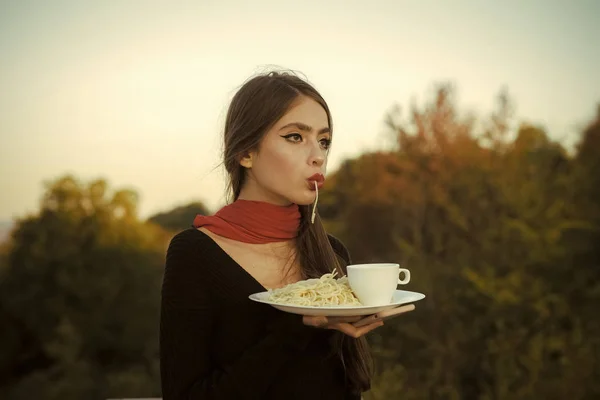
[406, 277]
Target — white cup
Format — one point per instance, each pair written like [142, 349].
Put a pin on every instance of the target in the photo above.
[375, 284]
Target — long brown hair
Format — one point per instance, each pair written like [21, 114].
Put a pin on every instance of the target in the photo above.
[254, 109]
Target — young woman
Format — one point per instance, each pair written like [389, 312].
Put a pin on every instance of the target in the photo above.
[215, 343]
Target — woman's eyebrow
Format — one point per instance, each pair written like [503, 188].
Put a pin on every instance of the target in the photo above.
[303, 127]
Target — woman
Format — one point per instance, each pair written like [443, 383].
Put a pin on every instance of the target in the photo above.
[217, 344]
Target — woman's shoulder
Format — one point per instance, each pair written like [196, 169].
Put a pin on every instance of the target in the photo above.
[194, 245]
[191, 247]
[190, 240]
[191, 233]
[339, 248]
[189, 273]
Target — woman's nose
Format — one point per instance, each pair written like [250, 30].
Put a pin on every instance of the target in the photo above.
[317, 159]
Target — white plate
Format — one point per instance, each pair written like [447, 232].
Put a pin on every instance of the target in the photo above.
[400, 297]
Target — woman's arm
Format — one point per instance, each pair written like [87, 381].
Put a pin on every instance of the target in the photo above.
[186, 335]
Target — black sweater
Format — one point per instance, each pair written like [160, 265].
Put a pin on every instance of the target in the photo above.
[215, 343]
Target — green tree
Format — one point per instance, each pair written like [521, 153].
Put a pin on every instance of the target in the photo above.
[79, 298]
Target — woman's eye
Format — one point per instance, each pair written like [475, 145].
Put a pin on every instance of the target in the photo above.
[294, 137]
[325, 143]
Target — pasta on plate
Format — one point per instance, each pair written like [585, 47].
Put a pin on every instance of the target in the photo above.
[325, 291]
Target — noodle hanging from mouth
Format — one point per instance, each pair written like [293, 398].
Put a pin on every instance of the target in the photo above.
[319, 292]
[314, 212]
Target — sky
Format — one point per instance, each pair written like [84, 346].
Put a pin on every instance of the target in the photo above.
[135, 92]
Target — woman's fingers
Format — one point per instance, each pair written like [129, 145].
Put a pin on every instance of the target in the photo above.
[316, 321]
[338, 320]
[322, 321]
[342, 324]
[353, 331]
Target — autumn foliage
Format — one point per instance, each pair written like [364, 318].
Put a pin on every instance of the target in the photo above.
[498, 223]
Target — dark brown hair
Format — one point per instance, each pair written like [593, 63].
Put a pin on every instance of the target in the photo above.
[254, 109]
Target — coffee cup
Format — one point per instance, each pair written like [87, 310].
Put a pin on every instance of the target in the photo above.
[374, 284]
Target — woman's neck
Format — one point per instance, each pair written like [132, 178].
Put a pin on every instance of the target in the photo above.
[253, 193]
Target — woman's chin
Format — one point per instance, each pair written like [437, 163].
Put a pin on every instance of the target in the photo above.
[305, 199]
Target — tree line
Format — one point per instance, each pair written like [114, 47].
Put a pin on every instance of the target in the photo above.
[499, 227]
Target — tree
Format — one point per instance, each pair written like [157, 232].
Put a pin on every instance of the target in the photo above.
[482, 217]
[80, 298]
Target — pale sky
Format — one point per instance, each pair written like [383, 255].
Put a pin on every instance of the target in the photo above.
[135, 91]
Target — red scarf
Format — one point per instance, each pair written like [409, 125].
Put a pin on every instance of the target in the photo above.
[253, 222]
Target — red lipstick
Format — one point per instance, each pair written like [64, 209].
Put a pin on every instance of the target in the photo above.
[319, 178]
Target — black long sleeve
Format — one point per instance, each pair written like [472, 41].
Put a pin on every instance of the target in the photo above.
[197, 282]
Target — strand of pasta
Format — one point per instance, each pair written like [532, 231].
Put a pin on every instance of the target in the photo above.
[314, 212]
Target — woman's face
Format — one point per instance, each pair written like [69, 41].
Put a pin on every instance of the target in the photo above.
[290, 157]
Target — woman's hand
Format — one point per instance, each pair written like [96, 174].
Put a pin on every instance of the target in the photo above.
[342, 324]
[348, 325]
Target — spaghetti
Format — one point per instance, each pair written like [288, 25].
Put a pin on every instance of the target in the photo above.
[314, 212]
[317, 292]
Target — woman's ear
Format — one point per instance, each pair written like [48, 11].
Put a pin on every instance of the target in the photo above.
[246, 160]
